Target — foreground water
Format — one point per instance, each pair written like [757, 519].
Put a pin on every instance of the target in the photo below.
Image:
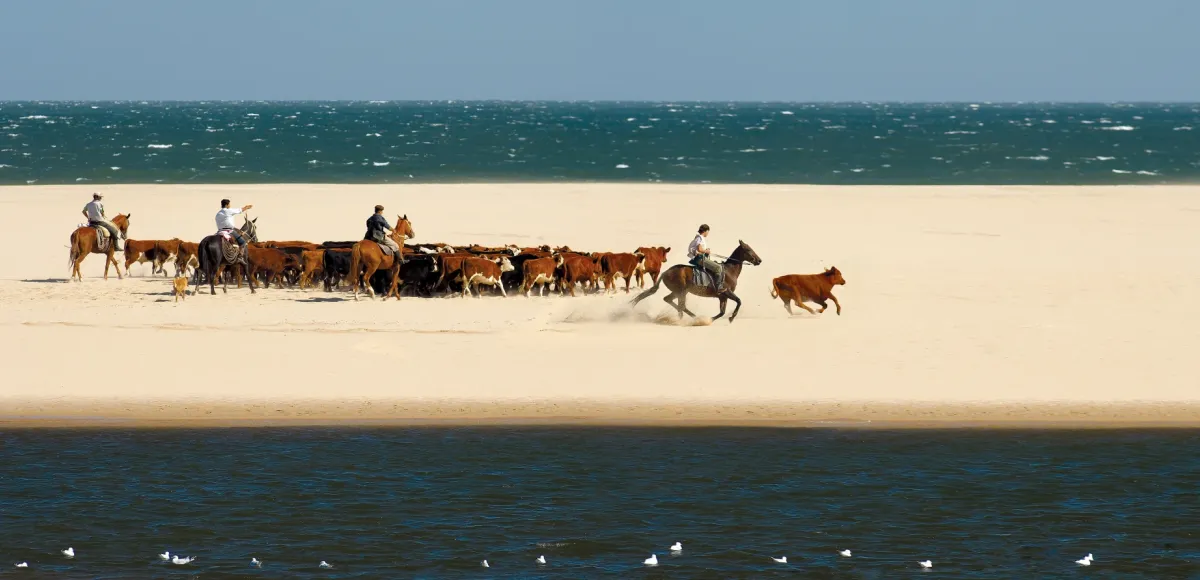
[401, 142]
[433, 503]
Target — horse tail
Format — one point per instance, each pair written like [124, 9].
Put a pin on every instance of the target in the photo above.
[72, 253]
[774, 289]
[650, 291]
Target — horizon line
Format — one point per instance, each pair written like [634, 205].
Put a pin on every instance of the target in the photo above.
[608, 101]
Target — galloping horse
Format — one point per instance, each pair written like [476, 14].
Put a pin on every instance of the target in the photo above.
[84, 242]
[678, 279]
[366, 258]
[211, 256]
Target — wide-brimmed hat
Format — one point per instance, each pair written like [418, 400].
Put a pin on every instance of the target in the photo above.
[97, 195]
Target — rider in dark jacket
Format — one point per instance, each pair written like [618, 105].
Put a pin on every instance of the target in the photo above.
[378, 229]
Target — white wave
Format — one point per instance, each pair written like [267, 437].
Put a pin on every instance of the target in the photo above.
[115, 168]
[1088, 122]
[645, 126]
[381, 163]
[1138, 117]
[1143, 172]
[373, 135]
[35, 117]
[1118, 128]
[1102, 158]
[1049, 121]
[858, 170]
[255, 141]
[313, 162]
[751, 150]
[159, 146]
[1121, 171]
[78, 179]
[630, 120]
[1035, 158]
[622, 166]
[251, 114]
[2, 165]
[786, 113]
[1182, 128]
[834, 127]
[961, 133]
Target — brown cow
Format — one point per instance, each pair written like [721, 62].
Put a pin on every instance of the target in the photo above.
[615, 266]
[166, 250]
[312, 263]
[140, 251]
[539, 271]
[451, 268]
[812, 287]
[575, 269]
[292, 244]
[476, 271]
[185, 257]
[652, 265]
[270, 261]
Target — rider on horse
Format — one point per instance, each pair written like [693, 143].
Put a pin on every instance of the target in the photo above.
[378, 229]
[698, 253]
[225, 222]
[94, 212]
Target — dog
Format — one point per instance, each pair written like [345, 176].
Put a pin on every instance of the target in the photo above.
[181, 286]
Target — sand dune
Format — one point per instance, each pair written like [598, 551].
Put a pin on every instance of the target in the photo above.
[1009, 305]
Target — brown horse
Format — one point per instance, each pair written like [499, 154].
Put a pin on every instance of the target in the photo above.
[678, 279]
[366, 258]
[84, 242]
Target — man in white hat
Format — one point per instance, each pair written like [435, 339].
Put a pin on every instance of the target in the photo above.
[94, 212]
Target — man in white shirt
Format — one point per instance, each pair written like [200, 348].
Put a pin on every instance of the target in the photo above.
[225, 221]
[94, 212]
[698, 253]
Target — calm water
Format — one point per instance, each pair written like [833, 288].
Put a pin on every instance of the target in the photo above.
[433, 503]
[376, 142]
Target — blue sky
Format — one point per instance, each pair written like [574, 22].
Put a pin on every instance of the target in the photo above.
[750, 50]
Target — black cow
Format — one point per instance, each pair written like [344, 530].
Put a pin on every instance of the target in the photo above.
[335, 266]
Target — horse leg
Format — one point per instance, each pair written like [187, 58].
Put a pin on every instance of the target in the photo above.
[721, 300]
[107, 261]
[737, 305]
[366, 279]
[116, 265]
[250, 279]
[683, 303]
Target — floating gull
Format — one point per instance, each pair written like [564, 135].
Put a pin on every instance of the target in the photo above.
[677, 547]
[325, 564]
[780, 560]
[164, 556]
[255, 562]
[845, 553]
[927, 564]
[484, 564]
[69, 552]
[23, 565]
[1086, 560]
[181, 561]
[651, 561]
[541, 560]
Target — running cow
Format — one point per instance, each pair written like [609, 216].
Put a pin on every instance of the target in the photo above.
[811, 287]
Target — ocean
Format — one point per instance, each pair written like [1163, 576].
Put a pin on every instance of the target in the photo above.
[597, 502]
[424, 142]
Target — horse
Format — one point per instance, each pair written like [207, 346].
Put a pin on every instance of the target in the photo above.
[211, 256]
[366, 258]
[678, 279]
[84, 242]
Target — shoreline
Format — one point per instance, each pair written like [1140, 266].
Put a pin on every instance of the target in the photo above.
[989, 307]
[400, 413]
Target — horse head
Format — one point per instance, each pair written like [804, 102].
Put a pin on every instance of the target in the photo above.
[250, 228]
[744, 253]
[122, 223]
[404, 226]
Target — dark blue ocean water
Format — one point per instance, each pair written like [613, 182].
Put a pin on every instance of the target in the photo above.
[434, 502]
[401, 142]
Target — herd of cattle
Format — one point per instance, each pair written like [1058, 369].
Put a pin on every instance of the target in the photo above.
[428, 269]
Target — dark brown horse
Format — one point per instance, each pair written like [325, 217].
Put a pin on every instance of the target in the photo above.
[678, 279]
[84, 242]
[366, 258]
[212, 258]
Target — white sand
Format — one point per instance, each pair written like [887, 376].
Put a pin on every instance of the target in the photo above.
[989, 304]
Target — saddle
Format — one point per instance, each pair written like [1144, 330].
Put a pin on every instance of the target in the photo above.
[702, 277]
[102, 237]
[232, 252]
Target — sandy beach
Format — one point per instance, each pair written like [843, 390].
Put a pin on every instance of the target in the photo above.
[1067, 306]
